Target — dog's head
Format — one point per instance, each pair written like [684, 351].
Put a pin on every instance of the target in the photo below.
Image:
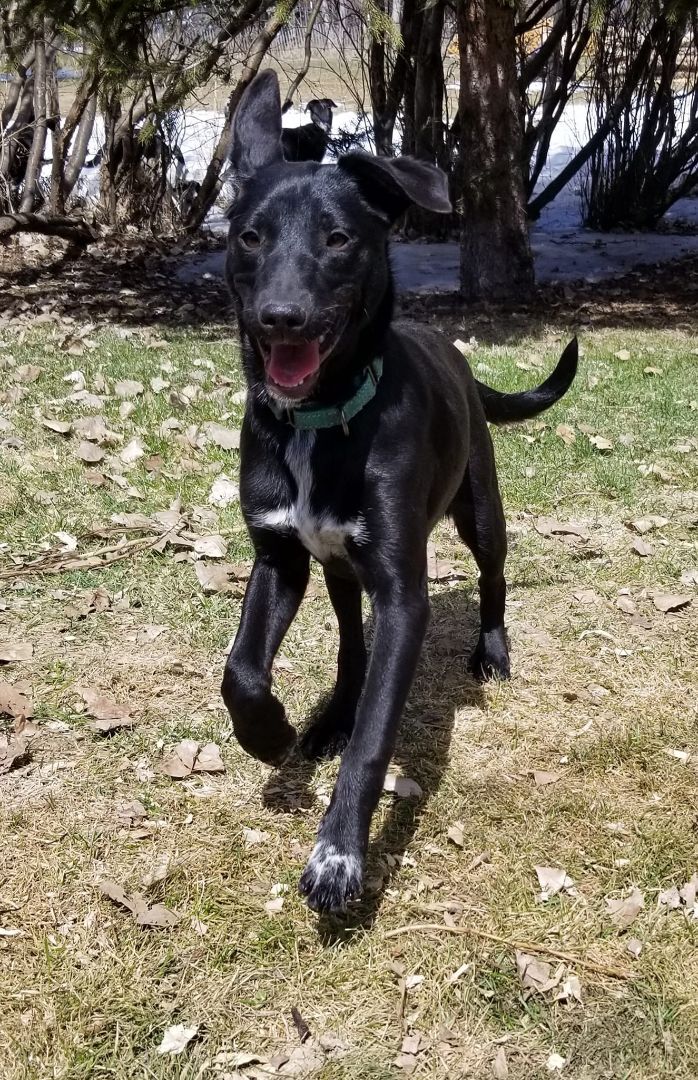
[320, 110]
[307, 260]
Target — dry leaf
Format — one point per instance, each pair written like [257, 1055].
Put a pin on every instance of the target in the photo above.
[684, 756]
[413, 981]
[536, 975]
[670, 601]
[552, 880]
[61, 427]
[14, 700]
[132, 452]
[571, 989]
[252, 837]
[634, 946]
[642, 547]
[455, 833]
[13, 749]
[223, 492]
[89, 453]
[157, 384]
[556, 1062]
[216, 578]
[600, 442]
[543, 779]
[622, 354]
[177, 1038]
[109, 714]
[21, 650]
[158, 917]
[402, 786]
[128, 388]
[624, 603]
[669, 898]
[500, 1068]
[209, 760]
[273, 907]
[226, 438]
[690, 577]
[212, 547]
[623, 912]
[547, 526]
[179, 763]
[646, 524]
[566, 433]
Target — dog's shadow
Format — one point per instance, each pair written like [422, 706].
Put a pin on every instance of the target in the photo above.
[442, 685]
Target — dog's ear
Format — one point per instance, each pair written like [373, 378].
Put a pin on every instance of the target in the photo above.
[391, 185]
[256, 140]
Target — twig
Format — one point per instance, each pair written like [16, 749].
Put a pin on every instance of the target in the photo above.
[300, 1024]
[50, 564]
[522, 946]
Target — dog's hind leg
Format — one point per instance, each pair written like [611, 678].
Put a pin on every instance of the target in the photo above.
[479, 517]
[331, 730]
[276, 587]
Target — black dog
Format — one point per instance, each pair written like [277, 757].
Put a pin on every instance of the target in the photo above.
[309, 142]
[360, 433]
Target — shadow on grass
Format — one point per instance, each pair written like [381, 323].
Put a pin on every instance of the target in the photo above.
[442, 686]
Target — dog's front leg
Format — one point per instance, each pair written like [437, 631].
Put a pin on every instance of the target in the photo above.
[276, 587]
[335, 869]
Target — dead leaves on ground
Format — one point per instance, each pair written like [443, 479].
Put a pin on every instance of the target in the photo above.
[11, 653]
[538, 977]
[624, 910]
[189, 757]
[156, 917]
[108, 714]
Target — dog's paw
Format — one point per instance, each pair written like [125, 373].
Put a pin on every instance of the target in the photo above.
[491, 658]
[331, 879]
[327, 736]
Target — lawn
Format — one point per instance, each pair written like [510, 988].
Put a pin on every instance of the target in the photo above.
[586, 762]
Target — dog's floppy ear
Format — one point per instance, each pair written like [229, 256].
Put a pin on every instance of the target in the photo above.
[256, 140]
[393, 184]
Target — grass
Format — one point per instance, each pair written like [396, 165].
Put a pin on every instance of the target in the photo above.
[597, 698]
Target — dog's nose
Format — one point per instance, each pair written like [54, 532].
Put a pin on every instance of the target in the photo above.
[278, 316]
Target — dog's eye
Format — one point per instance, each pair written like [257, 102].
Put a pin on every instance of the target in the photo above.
[249, 239]
[337, 240]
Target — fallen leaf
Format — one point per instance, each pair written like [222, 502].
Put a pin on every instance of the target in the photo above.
[89, 453]
[61, 427]
[109, 715]
[407, 1062]
[212, 547]
[413, 981]
[536, 975]
[13, 749]
[500, 1068]
[624, 911]
[273, 907]
[586, 596]
[209, 760]
[642, 548]
[10, 932]
[690, 577]
[566, 433]
[223, 492]
[14, 701]
[179, 762]
[21, 650]
[547, 526]
[226, 438]
[253, 837]
[402, 786]
[571, 989]
[622, 354]
[633, 946]
[552, 880]
[199, 927]
[177, 1038]
[68, 541]
[304, 1060]
[684, 756]
[670, 601]
[132, 452]
[543, 779]
[600, 442]
[655, 470]
[556, 1062]
[216, 578]
[128, 388]
[455, 833]
[669, 898]
[157, 384]
[624, 603]
[158, 917]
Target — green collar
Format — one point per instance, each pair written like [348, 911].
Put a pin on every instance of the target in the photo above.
[310, 418]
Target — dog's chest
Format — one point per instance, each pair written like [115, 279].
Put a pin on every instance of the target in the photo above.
[319, 529]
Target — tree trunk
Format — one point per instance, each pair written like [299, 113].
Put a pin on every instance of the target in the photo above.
[496, 260]
[36, 152]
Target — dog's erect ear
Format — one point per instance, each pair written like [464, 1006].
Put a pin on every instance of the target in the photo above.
[256, 140]
[393, 184]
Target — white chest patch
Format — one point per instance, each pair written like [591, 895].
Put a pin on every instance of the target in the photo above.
[320, 532]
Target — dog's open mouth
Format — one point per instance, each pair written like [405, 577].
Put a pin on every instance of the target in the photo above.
[292, 370]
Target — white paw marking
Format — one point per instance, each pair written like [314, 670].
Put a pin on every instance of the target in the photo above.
[325, 859]
[320, 532]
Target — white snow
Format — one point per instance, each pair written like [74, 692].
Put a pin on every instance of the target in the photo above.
[563, 250]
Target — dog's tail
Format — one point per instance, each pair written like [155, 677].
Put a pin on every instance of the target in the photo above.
[506, 408]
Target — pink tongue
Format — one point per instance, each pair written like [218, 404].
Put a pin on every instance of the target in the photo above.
[290, 364]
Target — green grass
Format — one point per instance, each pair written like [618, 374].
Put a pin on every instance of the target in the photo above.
[87, 993]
